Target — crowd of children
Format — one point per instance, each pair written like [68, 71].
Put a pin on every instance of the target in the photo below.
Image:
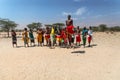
[68, 37]
[52, 38]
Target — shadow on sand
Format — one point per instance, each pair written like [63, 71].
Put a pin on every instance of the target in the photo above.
[19, 46]
[26, 46]
[91, 46]
[94, 45]
[81, 52]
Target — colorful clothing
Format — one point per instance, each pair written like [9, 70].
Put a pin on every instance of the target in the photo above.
[58, 38]
[84, 40]
[70, 29]
[14, 39]
[78, 38]
[64, 37]
[89, 38]
[52, 36]
[47, 37]
[25, 37]
[39, 37]
[31, 37]
[90, 32]
[84, 35]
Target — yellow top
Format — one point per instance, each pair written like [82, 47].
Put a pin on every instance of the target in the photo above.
[52, 31]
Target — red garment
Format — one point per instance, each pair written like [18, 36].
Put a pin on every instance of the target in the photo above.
[70, 29]
[78, 38]
[58, 36]
[62, 33]
[64, 36]
[89, 38]
[47, 36]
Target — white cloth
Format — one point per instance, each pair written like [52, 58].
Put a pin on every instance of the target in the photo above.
[90, 32]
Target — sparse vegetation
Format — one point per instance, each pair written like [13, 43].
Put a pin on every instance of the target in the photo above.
[7, 25]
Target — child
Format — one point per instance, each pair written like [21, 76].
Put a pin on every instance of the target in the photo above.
[84, 35]
[25, 37]
[58, 37]
[64, 38]
[43, 32]
[14, 39]
[31, 37]
[39, 37]
[47, 36]
[52, 37]
[90, 32]
[78, 37]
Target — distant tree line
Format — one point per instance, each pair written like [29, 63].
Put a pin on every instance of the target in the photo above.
[7, 25]
[104, 27]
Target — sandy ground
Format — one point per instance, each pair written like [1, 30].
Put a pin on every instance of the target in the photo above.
[101, 62]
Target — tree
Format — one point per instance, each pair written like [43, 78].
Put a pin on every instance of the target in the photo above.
[102, 27]
[34, 25]
[7, 25]
[39, 25]
[117, 28]
[48, 25]
[95, 28]
[59, 25]
[31, 26]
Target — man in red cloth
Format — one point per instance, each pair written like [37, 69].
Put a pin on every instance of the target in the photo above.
[70, 30]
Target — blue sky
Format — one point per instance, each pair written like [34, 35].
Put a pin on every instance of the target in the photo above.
[84, 12]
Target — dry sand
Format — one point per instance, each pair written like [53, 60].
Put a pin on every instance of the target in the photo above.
[101, 62]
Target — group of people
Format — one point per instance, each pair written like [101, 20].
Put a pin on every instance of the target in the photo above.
[55, 36]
